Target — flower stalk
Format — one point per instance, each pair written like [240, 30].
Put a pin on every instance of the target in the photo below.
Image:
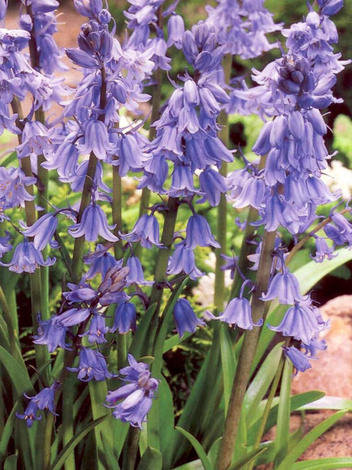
[246, 356]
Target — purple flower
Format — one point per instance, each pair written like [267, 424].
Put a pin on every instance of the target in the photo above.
[299, 360]
[100, 262]
[93, 224]
[51, 333]
[42, 230]
[323, 251]
[135, 274]
[175, 30]
[4, 245]
[299, 322]
[73, 316]
[137, 395]
[125, 318]
[27, 258]
[145, 231]
[183, 260]
[97, 329]
[238, 313]
[284, 286]
[96, 139]
[92, 365]
[185, 318]
[198, 233]
[44, 400]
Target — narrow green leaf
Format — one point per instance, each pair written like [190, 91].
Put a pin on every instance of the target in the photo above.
[250, 456]
[261, 382]
[297, 401]
[68, 449]
[329, 403]
[10, 159]
[198, 448]
[174, 341]
[11, 462]
[307, 440]
[228, 362]
[283, 416]
[18, 375]
[324, 464]
[214, 452]
[139, 338]
[167, 421]
[151, 460]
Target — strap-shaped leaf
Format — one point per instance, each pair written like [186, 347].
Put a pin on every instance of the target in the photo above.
[307, 440]
[198, 448]
[324, 464]
[152, 459]
[70, 446]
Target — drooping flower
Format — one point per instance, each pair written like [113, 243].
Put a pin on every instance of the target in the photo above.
[93, 224]
[299, 360]
[125, 318]
[185, 318]
[136, 396]
[92, 365]
[51, 333]
[44, 400]
[145, 231]
[198, 233]
[285, 287]
[27, 258]
[42, 230]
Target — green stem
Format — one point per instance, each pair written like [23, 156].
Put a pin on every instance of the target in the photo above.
[117, 208]
[13, 336]
[267, 408]
[247, 355]
[161, 267]
[130, 457]
[219, 287]
[68, 389]
[41, 354]
[121, 341]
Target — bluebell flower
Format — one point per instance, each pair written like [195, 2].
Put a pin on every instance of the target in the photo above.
[44, 400]
[299, 360]
[323, 251]
[198, 233]
[299, 322]
[27, 258]
[96, 139]
[42, 230]
[145, 231]
[238, 313]
[330, 7]
[51, 333]
[80, 293]
[3, 9]
[12, 187]
[183, 260]
[92, 225]
[175, 30]
[137, 395]
[136, 274]
[284, 287]
[35, 140]
[125, 318]
[99, 262]
[314, 345]
[97, 329]
[213, 184]
[72, 317]
[92, 365]
[185, 318]
[5, 246]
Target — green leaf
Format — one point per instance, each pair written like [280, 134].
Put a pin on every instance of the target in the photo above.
[307, 440]
[11, 462]
[228, 362]
[167, 421]
[214, 452]
[250, 456]
[152, 459]
[198, 448]
[283, 416]
[328, 403]
[261, 382]
[68, 449]
[324, 464]
[174, 341]
[10, 159]
[18, 375]
[140, 337]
